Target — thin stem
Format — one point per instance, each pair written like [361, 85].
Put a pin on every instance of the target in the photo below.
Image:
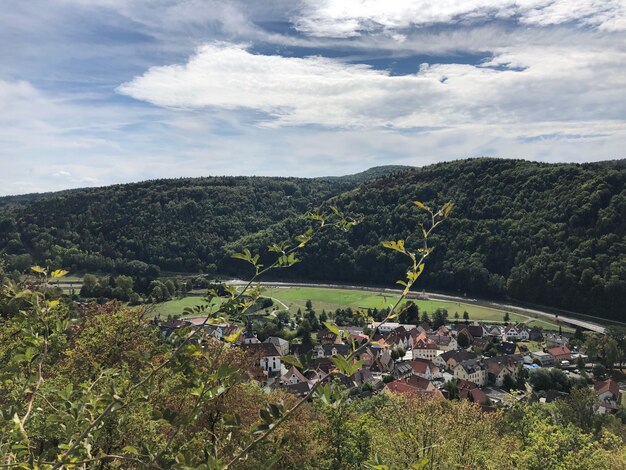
[108, 409]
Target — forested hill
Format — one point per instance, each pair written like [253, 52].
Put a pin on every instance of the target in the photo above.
[548, 234]
[174, 224]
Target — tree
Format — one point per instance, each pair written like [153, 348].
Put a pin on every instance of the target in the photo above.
[592, 346]
[611, 352]
[323, 316]
[508, 383]
[598, 371]
[581, 410]
[410, 313]
[466, 317]
[578, 334]
[463, 340]
[506, 318]
[90, 286]
[425, 317]
[452, 387]
[440, 317]
[552, 379]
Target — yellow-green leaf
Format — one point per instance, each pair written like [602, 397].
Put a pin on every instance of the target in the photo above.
[232, 338]
[59, 273]
[420, 204]
[38, 269]
[332, 327]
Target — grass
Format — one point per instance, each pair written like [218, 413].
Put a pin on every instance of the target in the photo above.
[176, 307]
[295, 298]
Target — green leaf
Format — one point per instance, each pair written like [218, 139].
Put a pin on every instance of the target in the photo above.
[332, 327]
[291, 360]
[266, 416]
[130, 450]
[447, 208]
[275, 410]
[421, 205]
[395, 245]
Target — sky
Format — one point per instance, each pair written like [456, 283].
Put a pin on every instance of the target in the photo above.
[98, 92]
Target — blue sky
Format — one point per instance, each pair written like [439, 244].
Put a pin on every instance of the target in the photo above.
[96, 92]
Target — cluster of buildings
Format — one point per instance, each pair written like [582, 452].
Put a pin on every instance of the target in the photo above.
[414, 359]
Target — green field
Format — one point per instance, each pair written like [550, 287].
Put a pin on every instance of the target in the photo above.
[294, 298]
[176, 307]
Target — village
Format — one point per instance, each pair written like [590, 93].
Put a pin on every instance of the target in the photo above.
[488, 364]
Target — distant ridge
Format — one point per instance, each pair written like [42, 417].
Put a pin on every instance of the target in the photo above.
[550, 234]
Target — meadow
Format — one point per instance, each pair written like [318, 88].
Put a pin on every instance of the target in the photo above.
[329, 299]
[293, 298]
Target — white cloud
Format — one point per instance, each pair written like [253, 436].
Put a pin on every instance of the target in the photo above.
[350, 18]
[518, 86]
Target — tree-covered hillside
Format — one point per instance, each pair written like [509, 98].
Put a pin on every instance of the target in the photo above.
[178, 225]
[549, 234]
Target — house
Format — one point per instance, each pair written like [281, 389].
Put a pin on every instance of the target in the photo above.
[424, 368]
[608, 394]
[281, 344]
[301, 349]
[424, 348]
[369, 355]
[293, 376]
[475, 395]
[169, 326]
[469, 391]
[473, 330]
[543, 358]
[443, 342]
[560, 353]
[449, 359]
[351, 330]
[401, 386]
[330, 350]
[536, 335]
[506, 347]
[498, 367]
[300, 389]
[420, 383]
[327, 337]
[554, 340]
[249, 337]
[265, 355]
[524, 332]
[402, 369]
[398, 338]
[443, 331]
[515, 333]
[493, 330]
[387, 327]
[471, 370]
